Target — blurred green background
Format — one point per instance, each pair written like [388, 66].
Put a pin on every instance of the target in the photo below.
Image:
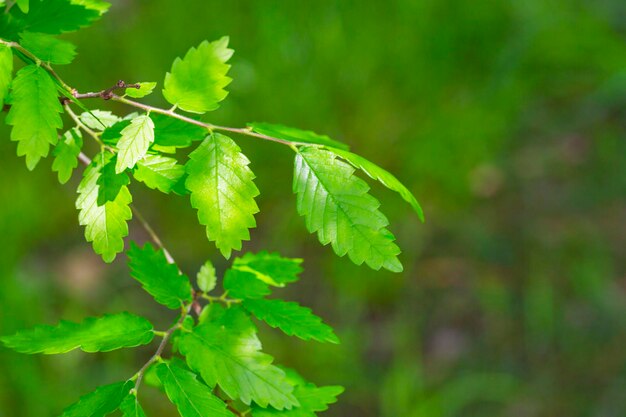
[506, 118]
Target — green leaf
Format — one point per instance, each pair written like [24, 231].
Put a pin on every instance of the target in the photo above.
[101, 402]
[53, 17]
[158, 277]
[270, 268]
[190, 396]
[384, 177]
[206, 278]
[66, 154]
[292, 319]
[295, 135]
[34, 114]
[99, 5]
[244, 284]
[110, 183]
[6, 71]
[112, 134]
[99, 119]
[23, 5]
[94, 334]
[226, 352]
[196, 83]
[223, 191]
[106, 225]
[159, 172]
[130, 407]
[48, 48]
[134, 143]
[169, 131]
[337, 206]
[144, 89]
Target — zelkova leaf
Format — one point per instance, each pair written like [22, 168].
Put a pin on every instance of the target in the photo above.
[66, 154]
[51, 16]
[34, 114]
[206, 278]
[134, 143]
[223, 191]
[48, 48]
[337, 206]
[94, 334]
[143, 90]
[159, 278]
[6, 71]
[292, 319]
[295, 135]
[384, 177]
[244, 284]
[169, 131]
[105, 225]
[226, 352]
[196, 83]
[98, 119]
[159, 172]
[101, 402]
[110, 183]
[270, 268]
[191, 397]
[130, 406]
[99, 5]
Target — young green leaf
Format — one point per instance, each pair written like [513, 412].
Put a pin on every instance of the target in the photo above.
[112, 134]
[244, 284]
[169, 131]
[295, 135]
[196, 83]
[98, 5]
[312, 400]
[66, 154]
[191, 397]
[52, 17]
[130, 406]
[99, 119]
[110, 183]
[337, 206]
[6, 71]
[134, 143]
[270, 268]
[48, 48]
[143, 90]
[292, 319]
[34, 114]
[384, 177]
[158, 277]
[101, 402]
[206, 278]
[106, 225]
[226, 352]
[159, 172]
[223, 191]
[94, 334]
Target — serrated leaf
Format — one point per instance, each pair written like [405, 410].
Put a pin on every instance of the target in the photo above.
[134, 143]
[226, 352]
[191, 397]
[243, 284]
[50, 16]
[196, 83]
[34, 114]
[169, 131]
[159, 172]
[270, 268]
[98, 5]
[112, 134]
[223, 191]
[292, 318]
[94, 334]
[110, 183]
[130, 407]
[384, 177]
[99, 119]
[159, 278]
[106, 225]
[48, 48]
[101, 402]
[6, 71]
[312, 400]
[144, 89]
[337, 206]
[66, 154]
[292, 134]
[206, 278]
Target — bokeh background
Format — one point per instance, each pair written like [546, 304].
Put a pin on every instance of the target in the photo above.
[506, 118]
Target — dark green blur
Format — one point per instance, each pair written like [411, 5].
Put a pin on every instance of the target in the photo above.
[506, 118]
